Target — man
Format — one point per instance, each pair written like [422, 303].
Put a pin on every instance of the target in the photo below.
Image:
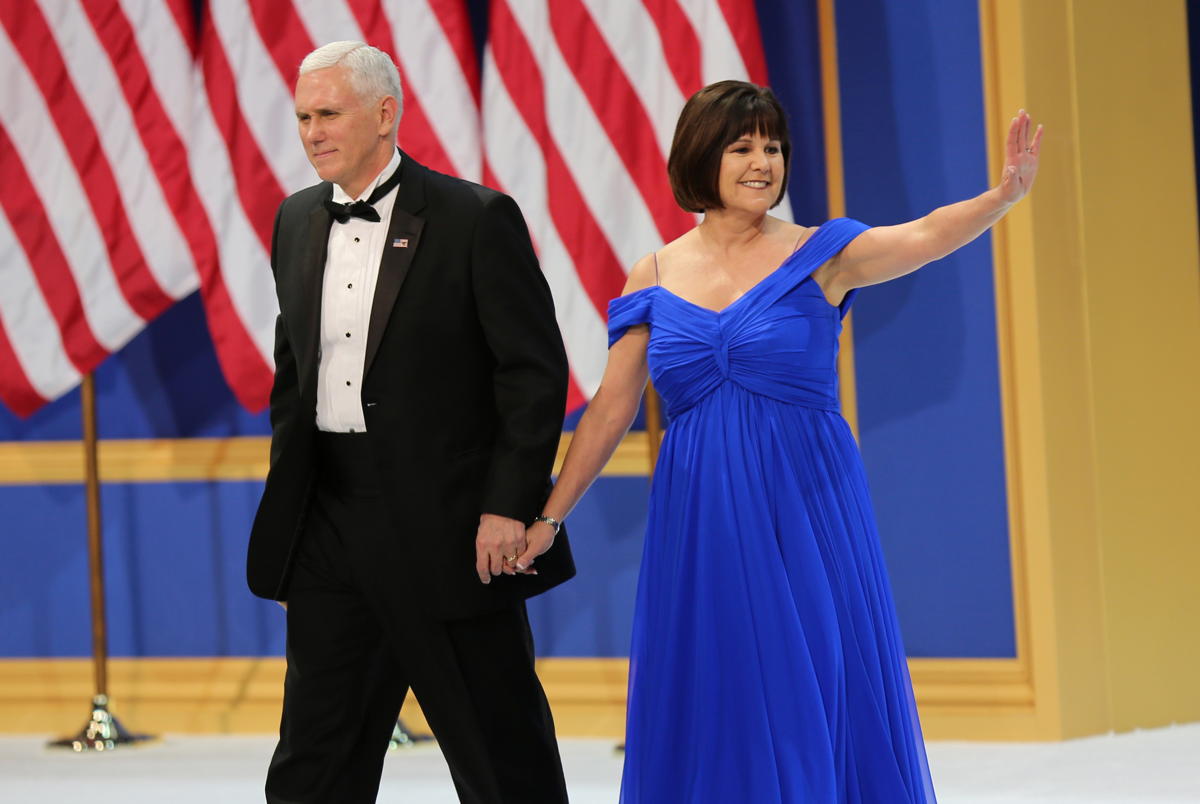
[420, 382]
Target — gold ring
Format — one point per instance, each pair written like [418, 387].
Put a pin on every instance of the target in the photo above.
[512, 558]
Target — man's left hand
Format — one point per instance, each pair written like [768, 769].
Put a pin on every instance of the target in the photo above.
[498, 543]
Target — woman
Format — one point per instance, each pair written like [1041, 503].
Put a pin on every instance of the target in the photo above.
[766, 663]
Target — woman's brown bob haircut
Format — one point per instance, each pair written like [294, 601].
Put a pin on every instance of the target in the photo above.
[714, 117]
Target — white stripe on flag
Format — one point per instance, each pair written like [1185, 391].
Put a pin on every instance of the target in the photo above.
[328, 22]
[720, 58]
[31, 326]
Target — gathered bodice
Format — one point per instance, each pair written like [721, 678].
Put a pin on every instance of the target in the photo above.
[778, 340]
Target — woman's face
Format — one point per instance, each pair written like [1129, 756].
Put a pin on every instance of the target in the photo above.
[751, 172]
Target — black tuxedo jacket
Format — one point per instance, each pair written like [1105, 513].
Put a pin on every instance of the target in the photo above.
[464, 389]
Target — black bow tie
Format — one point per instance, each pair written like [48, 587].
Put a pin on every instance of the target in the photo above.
[362, 209]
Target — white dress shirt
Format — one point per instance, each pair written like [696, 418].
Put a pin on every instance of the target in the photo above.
[351, 270]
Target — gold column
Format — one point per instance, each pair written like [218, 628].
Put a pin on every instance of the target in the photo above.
[1098, 300]
[835, 190]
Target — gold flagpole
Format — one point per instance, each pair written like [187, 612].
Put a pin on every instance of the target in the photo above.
[102, 732]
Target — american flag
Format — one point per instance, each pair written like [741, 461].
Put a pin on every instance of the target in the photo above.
[146, 144]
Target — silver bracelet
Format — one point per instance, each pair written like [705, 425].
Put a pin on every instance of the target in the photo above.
[549, 520]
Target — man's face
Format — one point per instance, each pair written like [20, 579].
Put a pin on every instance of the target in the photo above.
[344, 136]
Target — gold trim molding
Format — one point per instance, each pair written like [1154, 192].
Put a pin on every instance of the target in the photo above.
[242, 695]
[208, 459]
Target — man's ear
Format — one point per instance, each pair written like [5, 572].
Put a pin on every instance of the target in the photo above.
[387, 114]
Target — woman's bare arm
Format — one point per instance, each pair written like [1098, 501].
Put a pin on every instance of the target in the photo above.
[886, 252]
[602, 426]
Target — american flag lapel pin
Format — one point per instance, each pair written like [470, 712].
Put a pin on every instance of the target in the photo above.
[400, 242]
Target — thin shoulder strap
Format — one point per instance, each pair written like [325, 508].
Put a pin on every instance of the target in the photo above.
[656, 269]
[796, 245]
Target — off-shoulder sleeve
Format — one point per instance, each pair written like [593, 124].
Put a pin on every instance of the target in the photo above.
[845, 230]
[628, 311]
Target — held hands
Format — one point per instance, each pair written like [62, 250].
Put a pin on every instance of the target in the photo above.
[499, 543]
[1020, 159]
[539, 537]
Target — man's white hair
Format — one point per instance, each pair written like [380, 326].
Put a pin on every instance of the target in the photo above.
[372, 72]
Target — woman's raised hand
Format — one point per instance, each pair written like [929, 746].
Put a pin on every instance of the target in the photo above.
[1020, 158]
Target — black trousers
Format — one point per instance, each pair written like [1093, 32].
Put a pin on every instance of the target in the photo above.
[357, 642]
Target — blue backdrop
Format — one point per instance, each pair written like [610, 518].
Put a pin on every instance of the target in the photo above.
[925, 345]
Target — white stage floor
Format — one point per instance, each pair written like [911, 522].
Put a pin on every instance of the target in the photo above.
[1147, 767]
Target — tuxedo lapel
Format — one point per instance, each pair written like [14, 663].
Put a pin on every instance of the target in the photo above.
[312, 276]
[403, 238]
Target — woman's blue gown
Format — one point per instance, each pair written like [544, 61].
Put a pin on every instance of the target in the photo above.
[766, 663]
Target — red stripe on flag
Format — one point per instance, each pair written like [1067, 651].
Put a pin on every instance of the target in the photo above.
[575, 396]
[416, 135]
[241, 362]
[257, 187]
[452, 16]
[491, 180]
[620, 112]
[681, 45]
[18, 394]
[248, 374]
[32, 38]
[599, 271]
[185, 20]
[742, 20]
[32, 228]
[284, 34]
